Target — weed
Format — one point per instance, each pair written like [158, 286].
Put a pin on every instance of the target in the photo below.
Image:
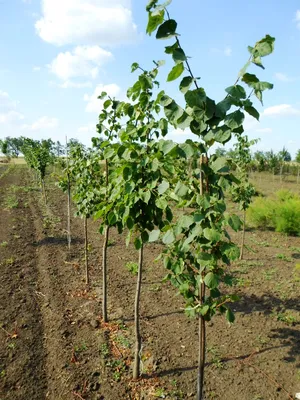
[10, 261]
[283, 257]
[215, 357]
[111, 243]
[155, 288]
[11, 202]
[285, 317]
[12, 345]
[296, 249]
[2, 372]
[262, 339]
[132, 267]
[160, 393]
[104, 350]
[241, 282]
[268, 275]
[17, 237]
[118, 367]
[80, 348]
[3, 244]
[123, 341]
[297, 273]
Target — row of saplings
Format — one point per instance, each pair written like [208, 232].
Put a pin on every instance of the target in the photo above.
[133, 174]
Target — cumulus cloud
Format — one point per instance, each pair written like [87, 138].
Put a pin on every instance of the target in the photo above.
[227, 51]
[41, 124]
[36, 69]
[83, 61]
[298, 18]
[281, 110]
[103, 22]
[8, 109]
[264, 130]
[282, 77]
[93, 103]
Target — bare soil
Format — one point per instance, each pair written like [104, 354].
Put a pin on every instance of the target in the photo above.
[55, 346]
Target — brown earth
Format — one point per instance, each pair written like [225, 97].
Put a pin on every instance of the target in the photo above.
[55, 346]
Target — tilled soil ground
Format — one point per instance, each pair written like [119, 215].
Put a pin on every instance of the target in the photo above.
[55, 346]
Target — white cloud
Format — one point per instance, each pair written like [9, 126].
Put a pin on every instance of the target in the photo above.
[76, 85]
[102, 22]
[82, 61]
[36, 69]
[281, 110]
[264, 130]
[8, 109]
[41, 124]
[93, 103]
[298, 18]
[227, 51]
[88, 129]
[282, 77]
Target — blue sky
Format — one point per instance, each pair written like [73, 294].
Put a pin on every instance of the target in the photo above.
[58, 55]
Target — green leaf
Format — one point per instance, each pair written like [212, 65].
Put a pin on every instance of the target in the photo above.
[187, 149]
[112, 218]
[179, 56]
[211, 280]
[265, 46]
[220, 165]
[167, 146]
[167, 29]
[204, 309]
[196, 98]
[154, 20]
[229, 316]
[185, 221]
[144, 236]
[175, 72]
[249, 79]
[137, 243]
[129, 223]
[235, 119]
[169, 237]
[212, 235]
[236, 91]
[154, 235]
[134, 67]
[185, 84]
[163, 187]
[173, 112]
[170, 49]
[252, 111]
[181, 189]
[235, 222]
[146, 196]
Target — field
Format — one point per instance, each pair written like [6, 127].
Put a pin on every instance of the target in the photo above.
[55, 346]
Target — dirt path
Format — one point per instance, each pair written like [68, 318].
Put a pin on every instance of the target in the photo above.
[22, 353]
[63, 352]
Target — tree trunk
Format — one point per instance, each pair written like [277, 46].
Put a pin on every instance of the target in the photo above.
[44, 191]
[202, 346]
[298, 175]
[138, 339]
[104, 274]
[87, 278]
[243, 235]
[201, 321]
[69, 213]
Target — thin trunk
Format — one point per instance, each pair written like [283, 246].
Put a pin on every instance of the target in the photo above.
[138, 339]
[104, 274]
[69, 213]
[202, 346]
[69, 197]
[201, 321]
[104, 253]
[87, 278]
[298, 176]
[44, 191]
[243, 236]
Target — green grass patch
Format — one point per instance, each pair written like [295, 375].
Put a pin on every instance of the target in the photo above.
[281, 214]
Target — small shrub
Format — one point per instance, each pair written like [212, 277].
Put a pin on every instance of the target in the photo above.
[282, 214]
[132, 267]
